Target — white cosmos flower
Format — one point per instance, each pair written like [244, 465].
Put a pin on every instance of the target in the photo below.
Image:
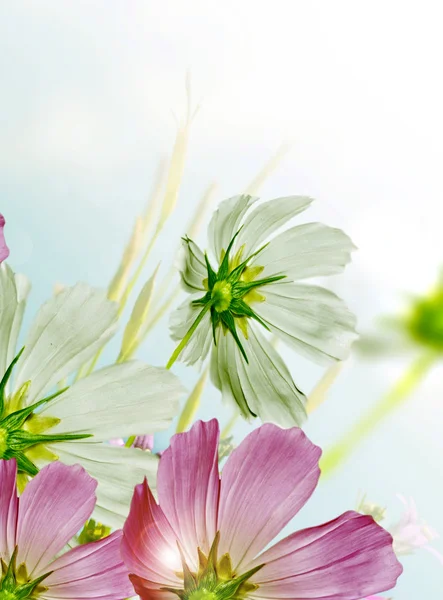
[121, 400]
[247, 287]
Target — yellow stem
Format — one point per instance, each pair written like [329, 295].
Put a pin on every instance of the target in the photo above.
[192, 404]
[229, 425]
[398, 394]
[138, 271]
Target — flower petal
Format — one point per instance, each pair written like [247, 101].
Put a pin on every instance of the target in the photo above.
[117, 471]
[308, 250]
[182, 318]
[193, 268]
[264, 387]
[52, 509]
[268, 217]
[8, 307]
[147, 591]
[345, 559]
[23, 287]
[226, 221]
[311, 319]
[265, 482]
[188, 487]
[67, 331]
[94, 570]
[8, 508]
[149, 547]
[14, 290]
[121, 400]
[4, 250]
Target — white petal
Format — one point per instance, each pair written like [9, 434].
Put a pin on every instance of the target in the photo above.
[117, 471]
[269, 216]
[181, 320]
[264, 385]
[224, 374]
[8, 307]
[311, 319]
[67, 331]
[118, 401]
[23, 287]
[308, 250]
[226, 221]
[193, 267]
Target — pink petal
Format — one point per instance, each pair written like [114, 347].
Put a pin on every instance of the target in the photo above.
[188, 487]
[4, 250]
[345, 559]
[265, 482]
[94, 570]
[8, 508]
[144, 442]
[149, 547]
[146, 592]
[53, 508]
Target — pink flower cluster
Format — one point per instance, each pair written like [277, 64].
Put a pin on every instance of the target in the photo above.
[205, 539]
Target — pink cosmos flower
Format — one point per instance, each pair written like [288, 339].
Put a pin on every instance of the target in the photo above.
[206, 538]
[36, 527]
[4, 250]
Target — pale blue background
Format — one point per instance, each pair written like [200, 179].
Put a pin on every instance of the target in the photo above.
[85, 110]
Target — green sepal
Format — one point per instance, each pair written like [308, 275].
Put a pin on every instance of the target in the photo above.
[241, 309]
[16, 419]
[236, 273]
[9, 582]
[215, 320]
[212, 275]
[25, 465]
[243, 287]
[214, 577]
[229, 589]
[22, 440]
[5, 379]
[224, 267]
[208, 577]
[189, 580]
[229, 321]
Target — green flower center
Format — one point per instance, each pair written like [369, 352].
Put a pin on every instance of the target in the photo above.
[203, 594]
[15, 583]
[21, 428]
[221, 296]
[425, 322]
[215, 578]
[230, 292]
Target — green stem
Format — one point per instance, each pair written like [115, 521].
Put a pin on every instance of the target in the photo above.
[188, 335]
[130, 441]
[398, 394]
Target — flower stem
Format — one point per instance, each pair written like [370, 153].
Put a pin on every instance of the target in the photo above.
[130, 441]
[192, 404]
[398, 394]
[188, 335]
[229, 425]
